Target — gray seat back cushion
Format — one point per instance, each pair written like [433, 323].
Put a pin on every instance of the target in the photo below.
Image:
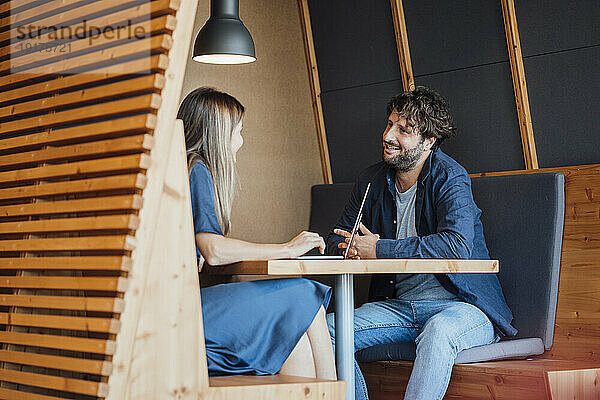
[326, 206]
[523, 217]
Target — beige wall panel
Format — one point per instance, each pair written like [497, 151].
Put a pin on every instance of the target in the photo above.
[279, 161]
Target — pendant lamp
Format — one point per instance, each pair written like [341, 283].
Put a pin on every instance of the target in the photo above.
[224, 39]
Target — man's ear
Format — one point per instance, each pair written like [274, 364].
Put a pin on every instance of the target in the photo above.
[430, 142]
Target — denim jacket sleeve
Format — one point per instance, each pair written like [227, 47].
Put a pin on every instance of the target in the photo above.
[455, 212]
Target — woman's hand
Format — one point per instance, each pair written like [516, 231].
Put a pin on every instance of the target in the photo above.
[304, 242]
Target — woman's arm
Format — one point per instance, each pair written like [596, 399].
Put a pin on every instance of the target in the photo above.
[219, 250]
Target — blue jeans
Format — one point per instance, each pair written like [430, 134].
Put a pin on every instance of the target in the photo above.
[440, 329]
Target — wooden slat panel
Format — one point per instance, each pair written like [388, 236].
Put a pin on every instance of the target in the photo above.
[7, 6]
[97, 367]
[117, 242]
[76, 15]
[102, 304]
[112, 203]
[84, 46]
[61, 322]
[55, 382]
[42, 9]
[111, 284]
[118, 182]
[112, 222]
[111, 263]
[95, 131]
[132, 87]
[107, 147]
[153, 45]
[115, 108]
[16, 5]
[143, 9]
[98, 346]
[79, 169]
[33, 88]
[156, 64]
[8, 394]
[154, 9]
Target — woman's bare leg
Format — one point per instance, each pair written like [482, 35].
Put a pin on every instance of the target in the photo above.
[322, 349]
[300, 362]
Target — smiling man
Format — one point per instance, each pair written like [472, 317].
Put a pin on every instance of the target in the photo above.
[421, 206]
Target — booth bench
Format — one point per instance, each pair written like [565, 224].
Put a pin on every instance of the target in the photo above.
[523, 218]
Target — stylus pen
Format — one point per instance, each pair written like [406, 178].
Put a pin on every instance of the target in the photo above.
[357, 222]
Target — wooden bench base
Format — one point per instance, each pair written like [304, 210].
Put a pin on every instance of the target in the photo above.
[511, 380]
[279, 387]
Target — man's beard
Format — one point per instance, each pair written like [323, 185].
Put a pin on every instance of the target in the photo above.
[408, 160]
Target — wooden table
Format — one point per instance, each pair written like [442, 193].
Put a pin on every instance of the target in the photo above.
[344, 289]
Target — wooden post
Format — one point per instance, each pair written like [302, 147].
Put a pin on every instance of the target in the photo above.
[408, 80]
[315, 88]
[518, 76]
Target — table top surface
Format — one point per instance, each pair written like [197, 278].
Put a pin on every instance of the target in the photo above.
[334, 267]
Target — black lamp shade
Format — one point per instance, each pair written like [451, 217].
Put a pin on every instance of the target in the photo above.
[224, 39]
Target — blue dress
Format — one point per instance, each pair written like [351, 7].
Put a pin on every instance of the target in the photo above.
[250, 327]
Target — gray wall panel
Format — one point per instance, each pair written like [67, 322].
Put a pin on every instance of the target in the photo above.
[554, 25]
[459, 48]
[354, 42]
[482, 102]
[564, 96]
[355, 121]
[447, 35]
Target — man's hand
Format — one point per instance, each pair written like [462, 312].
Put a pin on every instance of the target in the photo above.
[362, 246]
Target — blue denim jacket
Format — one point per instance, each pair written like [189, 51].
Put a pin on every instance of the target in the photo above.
[448, 226]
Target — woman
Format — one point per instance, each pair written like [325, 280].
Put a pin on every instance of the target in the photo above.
[261, 327]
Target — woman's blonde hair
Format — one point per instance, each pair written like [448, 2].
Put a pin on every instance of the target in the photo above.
[209, 118]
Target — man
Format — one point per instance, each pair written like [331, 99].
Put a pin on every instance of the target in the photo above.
[421, 206]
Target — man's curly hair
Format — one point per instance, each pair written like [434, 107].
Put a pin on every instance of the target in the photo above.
[426, 111]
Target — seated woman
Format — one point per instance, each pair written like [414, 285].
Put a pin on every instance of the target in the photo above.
[261, 327]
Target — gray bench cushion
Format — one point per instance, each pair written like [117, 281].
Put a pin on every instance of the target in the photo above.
[507, 349]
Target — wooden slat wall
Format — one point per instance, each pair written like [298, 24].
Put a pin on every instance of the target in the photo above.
[76, 133]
